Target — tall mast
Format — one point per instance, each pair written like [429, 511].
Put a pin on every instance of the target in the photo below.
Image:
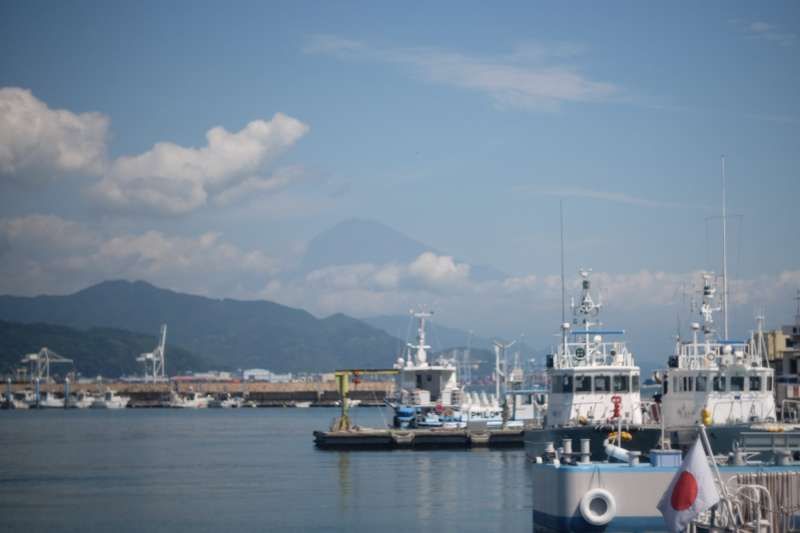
[797, 313]
[724, 252]
[563, 296]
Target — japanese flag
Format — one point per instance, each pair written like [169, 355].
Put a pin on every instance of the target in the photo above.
[691, 492]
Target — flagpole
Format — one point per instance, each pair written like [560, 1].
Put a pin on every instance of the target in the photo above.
[723, 488]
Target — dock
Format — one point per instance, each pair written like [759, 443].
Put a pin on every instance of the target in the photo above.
[418, 439]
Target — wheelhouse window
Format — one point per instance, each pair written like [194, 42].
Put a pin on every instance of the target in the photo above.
[737, 383]
[555, 384]
[583, 383]
[602, 383]
[566, 384]
[719, 383]
[755, 383]
[769, 383]
[666, 386]
[622, 383]
[701, 383]
[635, 383]
[687, 383]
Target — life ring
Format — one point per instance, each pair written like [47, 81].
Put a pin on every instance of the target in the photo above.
[710, 356]
[598, 507]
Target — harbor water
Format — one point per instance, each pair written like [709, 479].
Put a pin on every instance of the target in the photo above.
[241, 470]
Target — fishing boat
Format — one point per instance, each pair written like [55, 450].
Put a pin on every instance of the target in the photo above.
[110, 400]
[190, 400]
[594, 385]
[429, 394]
[45, 400]
[81, 400]
[228, 402]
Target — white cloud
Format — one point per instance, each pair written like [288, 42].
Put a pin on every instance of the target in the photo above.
[173, 179]
[437, 270]
[521, 79]
[38, 143]
[52, 254]
[254, 185]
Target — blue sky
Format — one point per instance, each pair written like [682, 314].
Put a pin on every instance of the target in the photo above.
[459, 124]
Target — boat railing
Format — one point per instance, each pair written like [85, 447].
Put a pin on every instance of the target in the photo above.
[702, 355]
[597, 354]
[794, 412]
[756, 411]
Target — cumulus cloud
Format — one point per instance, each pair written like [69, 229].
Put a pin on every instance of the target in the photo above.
[254, 185]
[53, 254]
[438, 269]
[38, 143]
[532, 76]
[174, 179]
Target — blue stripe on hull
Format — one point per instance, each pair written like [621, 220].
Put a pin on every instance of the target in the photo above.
[546, 522]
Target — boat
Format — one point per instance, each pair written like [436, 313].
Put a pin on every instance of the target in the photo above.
[228, 402]
[44, 400]
[428, 393]
[726, 384]
[110, 400]
[594, 385]
[190, 400]
[303, 405]
[16, 400]
[81, 400]
[573, 493]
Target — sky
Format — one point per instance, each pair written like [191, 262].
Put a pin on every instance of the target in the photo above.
[200, 146]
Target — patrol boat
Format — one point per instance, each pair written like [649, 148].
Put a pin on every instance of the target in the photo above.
[725, 384]
[594, 385]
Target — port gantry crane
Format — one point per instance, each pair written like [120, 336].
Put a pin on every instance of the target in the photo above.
[154, 363]
[343, 386]
[40, 363]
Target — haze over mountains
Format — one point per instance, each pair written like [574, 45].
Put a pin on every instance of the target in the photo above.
[357, 241]
[96, 351]
[227, 333]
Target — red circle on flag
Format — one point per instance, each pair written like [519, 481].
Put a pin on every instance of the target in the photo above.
[685, 492]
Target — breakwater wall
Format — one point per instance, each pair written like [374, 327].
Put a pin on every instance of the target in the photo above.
[262, 393]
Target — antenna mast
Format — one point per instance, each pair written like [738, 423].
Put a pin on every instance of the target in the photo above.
[563, 304]
[724, 252]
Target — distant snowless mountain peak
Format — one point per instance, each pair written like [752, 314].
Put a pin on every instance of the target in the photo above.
[356, 241]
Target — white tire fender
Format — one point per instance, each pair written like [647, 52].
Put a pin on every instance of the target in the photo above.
[598, 507]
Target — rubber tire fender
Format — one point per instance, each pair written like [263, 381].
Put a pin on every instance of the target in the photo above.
[589, 515]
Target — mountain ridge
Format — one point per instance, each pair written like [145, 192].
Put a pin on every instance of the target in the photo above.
[229, 333]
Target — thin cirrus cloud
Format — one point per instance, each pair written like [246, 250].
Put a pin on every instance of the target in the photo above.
[39, 144]
[608, 196]
[531, 77]
[765, 31]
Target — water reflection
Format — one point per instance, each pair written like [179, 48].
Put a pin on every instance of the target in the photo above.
[344, 480]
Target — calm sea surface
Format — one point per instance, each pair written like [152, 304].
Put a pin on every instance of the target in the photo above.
[241, 470]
